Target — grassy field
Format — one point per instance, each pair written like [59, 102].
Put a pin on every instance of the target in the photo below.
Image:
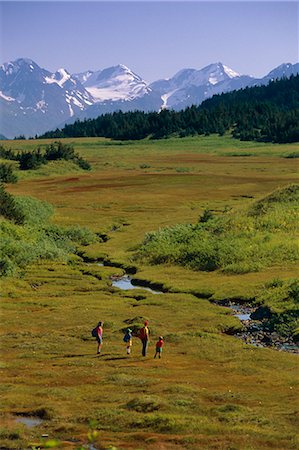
[209, 390]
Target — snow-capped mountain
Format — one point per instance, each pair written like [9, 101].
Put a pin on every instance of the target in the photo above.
[114, 83]
[34, 100]
[284, 70]
[191, 86]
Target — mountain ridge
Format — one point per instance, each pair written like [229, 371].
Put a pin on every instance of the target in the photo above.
[34, 100]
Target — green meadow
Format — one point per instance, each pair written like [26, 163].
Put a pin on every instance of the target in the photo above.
[201, 219]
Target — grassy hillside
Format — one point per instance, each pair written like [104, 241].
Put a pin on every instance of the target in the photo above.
[263, 235]
[209, 390]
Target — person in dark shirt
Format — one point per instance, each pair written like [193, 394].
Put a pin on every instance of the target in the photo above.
[144, 336]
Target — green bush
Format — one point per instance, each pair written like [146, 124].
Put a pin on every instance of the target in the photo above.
[7, 153]
[234, 242]
[282, 300]
[9, 207]
[27, 236]
[58, 150]
[31, 160]
[79, 235]
[34, 211]
[7, 174]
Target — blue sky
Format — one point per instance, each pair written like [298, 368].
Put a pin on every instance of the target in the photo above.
[155, 39]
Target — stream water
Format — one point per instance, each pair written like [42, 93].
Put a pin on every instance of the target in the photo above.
[241, 312]
[125, 283]
[253, 333]
[30, 422]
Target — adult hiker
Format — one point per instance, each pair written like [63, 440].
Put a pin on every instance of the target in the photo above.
[144, 336]
[159, 345]
[97, 332]
[128, 340]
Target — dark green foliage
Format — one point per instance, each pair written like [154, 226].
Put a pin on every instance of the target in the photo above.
[292, 155]
[7, 153]
[282, 300]
[31, 160]
[6, 174]
[53, 152]
[20, 138]
[31, 237]
[58, 150]
[264, 113]
[207, 215]
[9, 207]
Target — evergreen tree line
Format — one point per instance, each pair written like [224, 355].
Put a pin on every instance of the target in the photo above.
[31, 160]
[262, 113]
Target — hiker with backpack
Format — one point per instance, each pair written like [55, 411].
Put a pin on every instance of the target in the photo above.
[159, 345]
[144, 337]
[128, 340]
[97, 332]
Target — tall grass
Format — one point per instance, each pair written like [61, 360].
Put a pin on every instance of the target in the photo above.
[34, 238]
[234, 242]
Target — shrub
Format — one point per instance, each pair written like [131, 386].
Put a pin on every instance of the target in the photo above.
[31, 160]
[27, 237]
[80, 235]
[34, 211]
[9, 207]
[207, 215]
[235, 242]
[58, 150]
[7, 175]
[7, 153]
[282, 300]
[292, 155]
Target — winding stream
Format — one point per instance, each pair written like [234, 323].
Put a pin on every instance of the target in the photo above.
[125, 283]
[253, 332]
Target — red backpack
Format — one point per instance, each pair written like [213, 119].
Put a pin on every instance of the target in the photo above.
[142, 333]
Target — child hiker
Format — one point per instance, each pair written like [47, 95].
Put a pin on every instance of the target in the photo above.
[128, 340]
[159, 345]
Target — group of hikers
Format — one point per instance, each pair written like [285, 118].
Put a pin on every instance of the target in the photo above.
[143, 334]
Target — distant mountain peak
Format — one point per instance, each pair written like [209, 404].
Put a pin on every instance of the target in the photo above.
[27, 61]
[230, 72]
[19, 64]
[34, 100]
[115, 83]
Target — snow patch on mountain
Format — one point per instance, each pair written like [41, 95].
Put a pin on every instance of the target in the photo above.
[165, 98]
[59, 77]
[231, 73]
[115, 83]
[34, 100]
[6, 97]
